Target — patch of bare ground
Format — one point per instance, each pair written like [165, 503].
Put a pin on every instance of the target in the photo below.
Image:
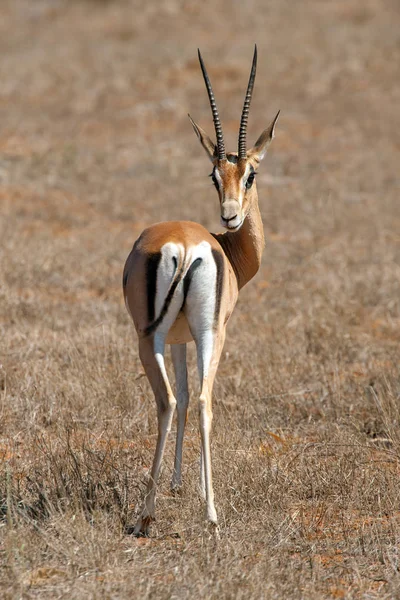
[94, 146]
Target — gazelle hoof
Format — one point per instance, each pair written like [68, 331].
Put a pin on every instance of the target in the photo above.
[141, 528]
[212, 516]
[176, 488]
[212, 528]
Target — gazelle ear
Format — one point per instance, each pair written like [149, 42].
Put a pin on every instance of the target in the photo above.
[260, 147]
[205, 141]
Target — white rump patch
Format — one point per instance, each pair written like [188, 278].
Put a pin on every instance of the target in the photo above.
[171, 255]
[201, 301]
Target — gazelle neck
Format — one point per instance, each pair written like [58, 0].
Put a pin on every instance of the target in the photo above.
[244, 247]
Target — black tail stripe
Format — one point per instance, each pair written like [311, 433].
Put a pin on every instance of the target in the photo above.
[219, 263]
[151, 283]
[186, 282]
[153, 326]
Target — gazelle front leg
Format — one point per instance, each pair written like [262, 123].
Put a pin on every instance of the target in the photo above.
[178, 352]
[151, 351]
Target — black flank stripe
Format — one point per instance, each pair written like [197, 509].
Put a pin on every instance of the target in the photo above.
[186, 282]
[151, 282]
[125, 278]
[219, 262]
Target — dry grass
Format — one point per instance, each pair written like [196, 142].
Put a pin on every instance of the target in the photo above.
[94, 145]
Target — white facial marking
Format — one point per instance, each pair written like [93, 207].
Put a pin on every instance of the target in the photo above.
[244, 178]
[218, 178]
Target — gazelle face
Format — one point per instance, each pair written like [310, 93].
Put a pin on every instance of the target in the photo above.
[233, 177]
[234, 174]
[234, 181]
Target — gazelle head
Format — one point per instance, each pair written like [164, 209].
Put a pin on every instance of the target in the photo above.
[234, 173]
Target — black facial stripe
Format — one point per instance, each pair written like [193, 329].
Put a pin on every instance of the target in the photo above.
[219, 263]
[214, 179]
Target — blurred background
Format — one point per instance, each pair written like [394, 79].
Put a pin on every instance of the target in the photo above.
[95, 145]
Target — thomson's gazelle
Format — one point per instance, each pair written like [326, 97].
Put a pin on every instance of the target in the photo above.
[181, 283]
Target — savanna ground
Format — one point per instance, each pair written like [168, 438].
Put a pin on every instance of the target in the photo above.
[95, 144]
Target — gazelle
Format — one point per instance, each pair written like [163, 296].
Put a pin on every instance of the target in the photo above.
[181, 283]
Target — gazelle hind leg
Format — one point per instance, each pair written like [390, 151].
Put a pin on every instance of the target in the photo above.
[202, 308]
[209, 348]
[151, 350]
[178, 352]
[202, 476]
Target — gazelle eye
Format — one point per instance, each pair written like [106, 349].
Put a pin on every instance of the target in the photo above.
[250, 181]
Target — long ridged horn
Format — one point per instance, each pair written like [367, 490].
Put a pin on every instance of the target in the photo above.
[217, 123]
[242, 151]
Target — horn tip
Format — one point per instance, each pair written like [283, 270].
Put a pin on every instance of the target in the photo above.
[274, 123]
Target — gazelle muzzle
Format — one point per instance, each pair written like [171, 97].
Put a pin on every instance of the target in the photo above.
[231, 214]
